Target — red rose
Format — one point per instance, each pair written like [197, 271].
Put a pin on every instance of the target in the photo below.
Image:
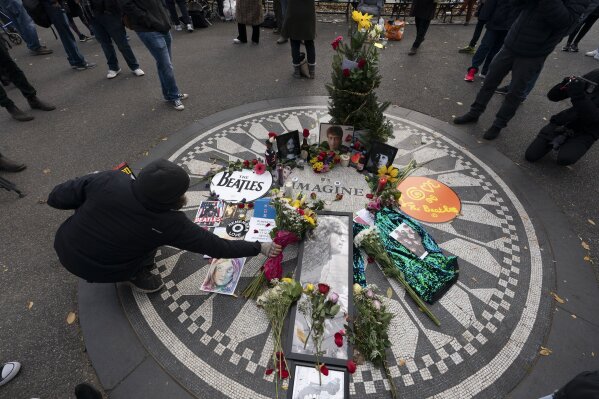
[251, 205]
[351, 366]
[254, 161]
[283, 374]
[271, 135]
[259, 168]
[240, 206]
[246, 163]
[306, 133]
[268, 371]
[357, 145]
[338, 340]
[324, 370]
[331, 153]
[322, 154]
[320, 158]
[369, 196]
[346, 72]
[323, 288]
[300, 211]
[335, 43]
[361, 63]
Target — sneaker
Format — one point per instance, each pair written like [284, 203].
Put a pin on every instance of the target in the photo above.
[574, 48]
[87, 65]
[413, 51]
[183, 96]
[596, 57]
[466, 118]
[237, 41]
[8, 371]
[481, 75]
[566, 47]
[591, 53]
[467, 50]
[178, 28]
[502, 90]
[178, 105]
[145, 281]
[491, 133]
[138, 72]
[42, 50]
[83, 38]
[112, 74]
[189, 27]
[281, 40]
[470, 75]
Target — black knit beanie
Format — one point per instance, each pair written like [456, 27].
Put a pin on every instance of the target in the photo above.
[162, 182]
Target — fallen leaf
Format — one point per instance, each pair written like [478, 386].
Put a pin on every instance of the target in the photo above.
[573, 316]
[71, 318]
[41, 201]
[556, 297]
[585, 246]
[591, 222]
[46, 171]
[587, 258]
[545, 351]
[401, 363]
[29, 305]
[389, 292]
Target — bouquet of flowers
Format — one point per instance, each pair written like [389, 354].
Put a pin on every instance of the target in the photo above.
[276, 302]
[370, 241]
[384, 186]
[369, 330]
[324, 161]
[293, 220]
[318, 305]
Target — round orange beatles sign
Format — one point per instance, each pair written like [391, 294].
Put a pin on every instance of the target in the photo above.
[428, 200]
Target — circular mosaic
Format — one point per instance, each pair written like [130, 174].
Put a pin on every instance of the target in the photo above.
[220, 346]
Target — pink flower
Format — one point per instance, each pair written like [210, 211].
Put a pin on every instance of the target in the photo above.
[376, 304]
[306, 133]
[369, 294]
[346, 72]
[361, 63]
[374, 205]
[333, 297]
[338, 340]
[351, 366]
[260, 168]
[335, 43]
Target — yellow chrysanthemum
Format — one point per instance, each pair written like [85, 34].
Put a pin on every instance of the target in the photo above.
[310, 220]
[287, 280]
[309, 287]
[357, 288]
[390, 172]
[356, 15]
[296, 204]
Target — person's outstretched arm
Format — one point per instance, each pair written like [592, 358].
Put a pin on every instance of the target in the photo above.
[71, 194]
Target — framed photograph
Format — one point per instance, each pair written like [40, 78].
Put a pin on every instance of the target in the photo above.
[325, 256]
[223, 276]
[210, 213]
[306, 384]
[380, 154]
[335, 137]
[288, 146]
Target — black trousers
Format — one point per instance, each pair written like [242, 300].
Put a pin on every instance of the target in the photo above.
[243, 35]
[422, 25]
[14, 73]
[568, 153]
[478, 30]
[523, 70]
[582, 29]
[310, 51]
[172, 10]
[107, 275]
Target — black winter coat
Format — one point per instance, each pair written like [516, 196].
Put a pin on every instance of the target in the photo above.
[146, 15]
[499, 14]
[583, 115]
[114, 228]
[423, 9]
[104, 7]
[542, 24]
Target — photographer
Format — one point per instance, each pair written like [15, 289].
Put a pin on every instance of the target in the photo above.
[574, 130]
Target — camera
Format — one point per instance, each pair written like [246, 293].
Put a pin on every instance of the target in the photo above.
[589, 87]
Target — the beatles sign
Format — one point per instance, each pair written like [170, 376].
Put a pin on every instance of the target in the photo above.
[239, 185]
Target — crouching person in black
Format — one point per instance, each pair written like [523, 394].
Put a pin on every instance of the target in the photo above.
[574, 130]
[119, 223]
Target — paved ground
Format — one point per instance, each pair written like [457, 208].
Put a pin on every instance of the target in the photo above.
[101, 122]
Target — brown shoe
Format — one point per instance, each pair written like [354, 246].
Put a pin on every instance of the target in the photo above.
[8, 165]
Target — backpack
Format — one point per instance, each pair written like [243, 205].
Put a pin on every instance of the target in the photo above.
[38, 14]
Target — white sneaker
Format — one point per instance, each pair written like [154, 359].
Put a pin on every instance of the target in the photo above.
[8, 371]
[189, 27]
[183, 96]
[178, 105]
[592, 53]
[178, 28]
[112, 74]
[596, 56]
[138, 72]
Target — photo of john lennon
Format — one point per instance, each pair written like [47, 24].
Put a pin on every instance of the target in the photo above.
[335, 137]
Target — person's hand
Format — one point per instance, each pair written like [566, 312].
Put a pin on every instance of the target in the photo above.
[270, 249]
[575, 87]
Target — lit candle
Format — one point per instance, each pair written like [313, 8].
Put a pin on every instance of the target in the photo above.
[382, 184]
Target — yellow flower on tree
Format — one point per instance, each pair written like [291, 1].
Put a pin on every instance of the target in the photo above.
[390, 172]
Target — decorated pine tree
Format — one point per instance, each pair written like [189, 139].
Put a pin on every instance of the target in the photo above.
[356, 76]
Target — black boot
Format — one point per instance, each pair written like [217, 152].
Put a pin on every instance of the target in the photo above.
[468, 117]
[491, 133]
[145, 281]
[18, 114]
[296, 72]
[36, 103]
[311, 70]
[8, 165]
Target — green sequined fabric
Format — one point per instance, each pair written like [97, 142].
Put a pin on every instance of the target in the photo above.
[430, 277]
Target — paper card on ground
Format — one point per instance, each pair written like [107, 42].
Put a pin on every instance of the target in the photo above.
[363, 216]
[210, 213]
[263, 209]
[223, 276]
[410, 239]
[260, 230]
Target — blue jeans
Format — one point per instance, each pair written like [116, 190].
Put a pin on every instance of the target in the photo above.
[61, 24]
[489, 46]
[22, 22]
[108, 28]
[159, 45]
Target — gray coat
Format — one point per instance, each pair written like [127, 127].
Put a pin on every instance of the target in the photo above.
[300, 20]
[249, 12]
[423, 9]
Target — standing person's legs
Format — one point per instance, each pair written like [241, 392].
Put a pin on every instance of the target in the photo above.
[478, 29]
[172, 10]
[242, 35]
[115, 29]
[295, 52]
[23, 23]
[470, 9]
[586, 26]
[422, 25]
[103, 37]
[500, 67]
[523, 71]
[483, 49]
[73, 25]
[255, 33]
[184, 13]
[310, 51]
[15, 74]
[59, 20]
[159, 46]
[498, 39]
